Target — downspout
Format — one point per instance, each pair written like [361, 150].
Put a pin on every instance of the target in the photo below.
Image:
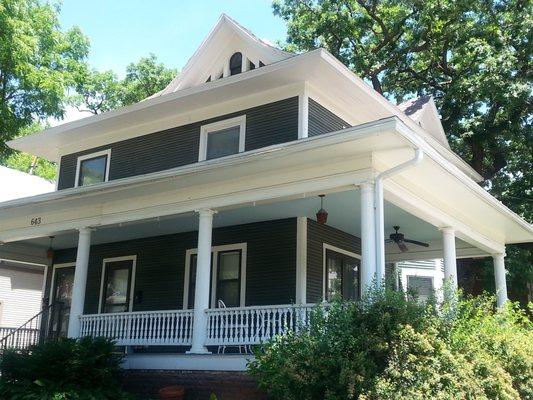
[378, 198]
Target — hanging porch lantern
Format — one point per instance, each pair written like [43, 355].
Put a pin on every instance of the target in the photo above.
[322, 215]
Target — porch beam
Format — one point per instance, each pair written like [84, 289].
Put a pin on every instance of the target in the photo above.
[499, 276]
[450, 257]
[203, 272]
[80, 282]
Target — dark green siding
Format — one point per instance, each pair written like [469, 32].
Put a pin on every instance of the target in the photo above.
[266, 125]
[321, 120]
[270, 267]
[317, 235]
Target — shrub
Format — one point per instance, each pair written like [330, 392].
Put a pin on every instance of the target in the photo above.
[389, 347]
[67, 369]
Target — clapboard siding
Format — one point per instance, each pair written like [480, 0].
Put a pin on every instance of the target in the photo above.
[266, 125]
[270, 269]
[321, 120]
[317, 235]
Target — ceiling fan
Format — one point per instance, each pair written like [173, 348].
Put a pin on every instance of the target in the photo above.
[400, 240]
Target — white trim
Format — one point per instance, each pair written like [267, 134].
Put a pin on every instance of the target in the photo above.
[132, 283]
[106, 152]
[192, 362]
[303, 113]
[301, 260]
[325, 247]
[53, 278]
[214, 254]
[205, 130]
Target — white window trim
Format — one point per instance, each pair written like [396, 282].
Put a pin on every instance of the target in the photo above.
[132, 284]
[214, 251]
[205, 130]
[53, 279]
[93, 155]
[325, 247]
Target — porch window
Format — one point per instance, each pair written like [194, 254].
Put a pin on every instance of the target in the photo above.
[93, 168]
[420, 286]
[117, 282]
[222, 138]
[229, 278]
[228, 269]
[342, 276]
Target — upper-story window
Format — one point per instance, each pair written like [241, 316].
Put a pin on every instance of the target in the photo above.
[235, 64]
[222, 138]
[93, 168]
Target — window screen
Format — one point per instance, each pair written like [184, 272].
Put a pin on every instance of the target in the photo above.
[92, 170]
[223, 142]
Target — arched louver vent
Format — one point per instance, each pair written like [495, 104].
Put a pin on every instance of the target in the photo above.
[235, 63]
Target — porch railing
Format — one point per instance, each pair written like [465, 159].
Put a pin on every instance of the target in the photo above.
[4, 331]
[254, 325]
[141, 328]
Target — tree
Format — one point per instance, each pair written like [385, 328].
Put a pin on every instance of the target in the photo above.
[473, 56]
[145, 78]
[97, 92]
[37, 64]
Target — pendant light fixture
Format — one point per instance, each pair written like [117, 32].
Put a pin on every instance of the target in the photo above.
[322, 215]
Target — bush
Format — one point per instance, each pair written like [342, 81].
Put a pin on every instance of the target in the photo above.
[68, 369]
[388, 347]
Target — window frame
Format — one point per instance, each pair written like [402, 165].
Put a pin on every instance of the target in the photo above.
[207, 129]
[328, 247]
[106, 261]
[430, 277]
[97, 154]
[215, 250]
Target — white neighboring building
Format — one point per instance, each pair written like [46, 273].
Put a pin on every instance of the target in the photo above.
[421, 276]
[21, 272]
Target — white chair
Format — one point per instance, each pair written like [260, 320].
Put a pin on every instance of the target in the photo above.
[233, 326]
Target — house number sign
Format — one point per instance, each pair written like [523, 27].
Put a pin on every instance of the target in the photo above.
[36, 221]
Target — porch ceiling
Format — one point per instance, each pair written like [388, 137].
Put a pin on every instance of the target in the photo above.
[343, 208]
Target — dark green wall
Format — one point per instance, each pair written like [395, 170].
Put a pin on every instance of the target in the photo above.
[317, 235]
[266, 125]
[321, 120]
[270, 269]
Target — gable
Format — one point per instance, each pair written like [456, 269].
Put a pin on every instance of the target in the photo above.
[212, 59]
[423, 111]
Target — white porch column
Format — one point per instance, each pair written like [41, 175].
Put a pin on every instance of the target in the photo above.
[80, 282]
[499, 275]
[368, 237]
[201, 294]
[450, 257]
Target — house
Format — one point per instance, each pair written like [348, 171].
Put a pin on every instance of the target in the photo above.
[21, 271]
[214, 214]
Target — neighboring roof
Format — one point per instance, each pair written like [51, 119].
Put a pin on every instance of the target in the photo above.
[214, 51]
[423, 111]
[16, 184]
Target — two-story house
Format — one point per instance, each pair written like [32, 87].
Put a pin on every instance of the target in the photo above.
[212, 215]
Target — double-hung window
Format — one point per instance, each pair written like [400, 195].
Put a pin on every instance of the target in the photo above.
[228, 270]
[222, 138]
[342, 275]
[93, 168]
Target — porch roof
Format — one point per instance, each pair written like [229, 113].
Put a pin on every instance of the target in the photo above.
[436, 191]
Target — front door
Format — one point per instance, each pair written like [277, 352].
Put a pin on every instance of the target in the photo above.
[62, 295]
[342, 276]
[117, 286]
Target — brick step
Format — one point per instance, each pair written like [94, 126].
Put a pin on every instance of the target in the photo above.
[199, 385]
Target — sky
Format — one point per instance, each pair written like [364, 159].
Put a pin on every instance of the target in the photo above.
[123, 31]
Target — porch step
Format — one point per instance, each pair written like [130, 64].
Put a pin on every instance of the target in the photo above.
[199, 385]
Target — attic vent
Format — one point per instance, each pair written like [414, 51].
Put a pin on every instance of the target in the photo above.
[235, 64]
